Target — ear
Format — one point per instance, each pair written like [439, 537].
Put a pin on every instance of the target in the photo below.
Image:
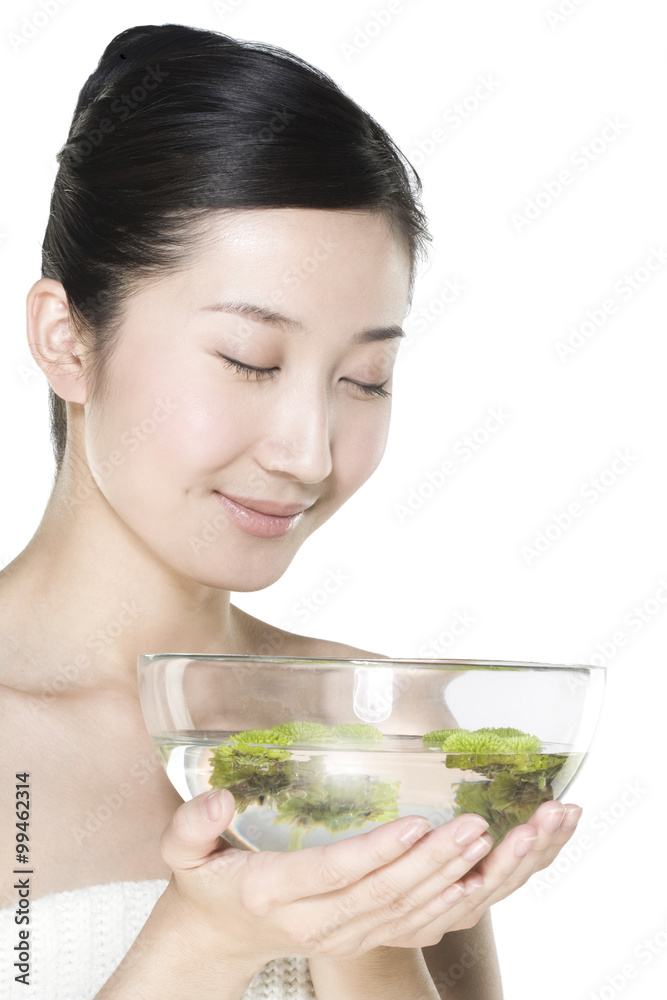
[53, 342]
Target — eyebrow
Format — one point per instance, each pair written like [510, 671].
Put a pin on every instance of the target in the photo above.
[270, 316]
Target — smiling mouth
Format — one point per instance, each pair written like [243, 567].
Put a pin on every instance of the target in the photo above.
[268, 507]
[262, 523]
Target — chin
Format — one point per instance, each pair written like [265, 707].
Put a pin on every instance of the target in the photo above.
[243, 576]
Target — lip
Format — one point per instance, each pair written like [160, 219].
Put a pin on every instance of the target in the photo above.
[268, 507]
[271, 521]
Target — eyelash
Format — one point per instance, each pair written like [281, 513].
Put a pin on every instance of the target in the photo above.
[248, 370]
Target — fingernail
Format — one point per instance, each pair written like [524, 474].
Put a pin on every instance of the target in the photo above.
[413, 833]
[452, 893]
[572, 817]
[523, 846]
[473, 883]
[553, 820]
[471, 831]
[212, 806]
[478, 848]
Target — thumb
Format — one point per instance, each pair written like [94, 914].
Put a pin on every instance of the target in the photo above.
[193, 833]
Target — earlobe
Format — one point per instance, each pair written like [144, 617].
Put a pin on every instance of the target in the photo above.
[52, 340]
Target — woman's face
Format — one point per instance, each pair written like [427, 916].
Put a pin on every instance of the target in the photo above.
[180, 429]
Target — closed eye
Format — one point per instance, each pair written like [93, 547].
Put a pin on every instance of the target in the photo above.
[251, 370]
[370, 390]
[248, 369]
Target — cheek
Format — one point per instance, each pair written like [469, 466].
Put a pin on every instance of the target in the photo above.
[358, 454]
[206, 432]
[162, 425]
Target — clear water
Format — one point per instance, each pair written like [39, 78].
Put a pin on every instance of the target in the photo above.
[315, 795]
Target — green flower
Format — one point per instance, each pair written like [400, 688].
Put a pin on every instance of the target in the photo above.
[520, 743]
[337, 802]
[301, 732]
[251, 773]
[503, 731]
[254, 768]
[482, 740]
[253, 736]
[439, 737]
[289, 733]
[514, 777]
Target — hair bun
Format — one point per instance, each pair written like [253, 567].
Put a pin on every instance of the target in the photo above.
[136, 47]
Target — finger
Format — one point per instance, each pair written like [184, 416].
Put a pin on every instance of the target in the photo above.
[446, 911]
[437, 860]
[194, 831]
[538, 842]
[283, 877]
[393, 894]
[552, 828]
[426, 925]
[501, 872]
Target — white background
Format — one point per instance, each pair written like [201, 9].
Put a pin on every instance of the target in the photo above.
[556, 80]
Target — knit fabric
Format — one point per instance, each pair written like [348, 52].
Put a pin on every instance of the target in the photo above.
[78, 938]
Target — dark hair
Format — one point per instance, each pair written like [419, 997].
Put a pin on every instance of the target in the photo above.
[177, 122]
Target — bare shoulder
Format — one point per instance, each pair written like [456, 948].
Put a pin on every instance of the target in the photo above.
[328, 648]
[262, 639]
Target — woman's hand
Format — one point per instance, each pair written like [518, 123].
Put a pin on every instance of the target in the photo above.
[344, 899]
[523, 851]
[341, 900]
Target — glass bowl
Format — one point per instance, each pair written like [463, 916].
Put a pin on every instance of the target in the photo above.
[314, 751]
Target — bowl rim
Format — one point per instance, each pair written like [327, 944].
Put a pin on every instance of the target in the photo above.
[145, 659]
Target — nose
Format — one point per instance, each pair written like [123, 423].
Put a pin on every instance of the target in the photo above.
[298, 440]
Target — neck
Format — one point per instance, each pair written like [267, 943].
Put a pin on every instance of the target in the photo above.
[86, 596]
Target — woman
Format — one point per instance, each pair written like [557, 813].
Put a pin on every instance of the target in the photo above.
[230, 253]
